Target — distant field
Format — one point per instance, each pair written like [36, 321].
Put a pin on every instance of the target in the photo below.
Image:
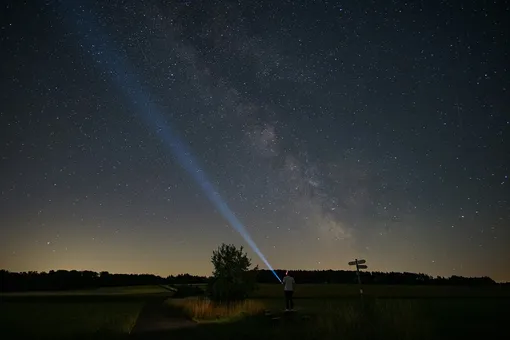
[126, 290]
[381, 291]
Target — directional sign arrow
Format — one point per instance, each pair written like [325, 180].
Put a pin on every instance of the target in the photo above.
[362, 266]
[352, 263]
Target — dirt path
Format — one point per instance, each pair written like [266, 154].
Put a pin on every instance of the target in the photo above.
[157, 320]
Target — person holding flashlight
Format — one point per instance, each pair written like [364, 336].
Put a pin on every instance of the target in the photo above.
[288, 289]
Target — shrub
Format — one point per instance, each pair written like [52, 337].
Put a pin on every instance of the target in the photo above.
[232, 279]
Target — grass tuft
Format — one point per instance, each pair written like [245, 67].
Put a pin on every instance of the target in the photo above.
[203, 309]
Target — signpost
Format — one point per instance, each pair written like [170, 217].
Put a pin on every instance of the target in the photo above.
[360, 264]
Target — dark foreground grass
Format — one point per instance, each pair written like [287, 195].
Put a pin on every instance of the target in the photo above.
[46, 320]
[323, 312]
[104, 313]
[351, 319]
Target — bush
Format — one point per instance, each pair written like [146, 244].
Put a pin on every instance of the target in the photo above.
[232, 279]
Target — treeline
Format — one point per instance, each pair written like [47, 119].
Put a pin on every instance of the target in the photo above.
[72, 280]
[391, 278]
[186, 279]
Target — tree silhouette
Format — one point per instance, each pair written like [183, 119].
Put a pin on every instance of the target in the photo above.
[232, 278]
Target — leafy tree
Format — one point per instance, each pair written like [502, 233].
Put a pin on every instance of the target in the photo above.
[232, 278]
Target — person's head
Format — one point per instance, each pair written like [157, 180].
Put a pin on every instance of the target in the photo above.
[287, 273]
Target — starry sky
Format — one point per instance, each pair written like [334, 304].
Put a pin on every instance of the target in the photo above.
[333, 130]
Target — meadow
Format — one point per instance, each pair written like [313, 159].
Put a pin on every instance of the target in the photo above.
[102, 291]
[352, 319]
[317, 291]
[337, 312]
[109, 312]
[322, 312]
[68, 320]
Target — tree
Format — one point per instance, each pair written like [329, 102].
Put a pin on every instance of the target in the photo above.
[232, 278]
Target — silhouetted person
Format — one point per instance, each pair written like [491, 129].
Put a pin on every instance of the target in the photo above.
[288, 288]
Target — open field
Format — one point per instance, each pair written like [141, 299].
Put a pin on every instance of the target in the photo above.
[316, 291]
[337, 312]
[109, 312]
[348, 318]
[126, 290]
[323, 312]
[67, 320]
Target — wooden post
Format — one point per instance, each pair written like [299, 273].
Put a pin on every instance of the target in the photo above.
[360, 264]
[359, 278]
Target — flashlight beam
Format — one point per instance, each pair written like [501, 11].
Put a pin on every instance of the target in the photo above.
[120, 71]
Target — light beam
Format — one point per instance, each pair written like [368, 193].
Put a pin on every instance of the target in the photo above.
[117, 67]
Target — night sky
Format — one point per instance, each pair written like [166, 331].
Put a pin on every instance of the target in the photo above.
[333, 130]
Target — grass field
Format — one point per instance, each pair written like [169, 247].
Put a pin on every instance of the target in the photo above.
[337, 312]
[323, 312]
[88, 314]
[67, 320]
[382, 291]
[348, 318]
[126, 290]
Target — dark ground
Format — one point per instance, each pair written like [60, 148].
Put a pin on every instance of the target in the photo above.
[319, 318]
[156, 320]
